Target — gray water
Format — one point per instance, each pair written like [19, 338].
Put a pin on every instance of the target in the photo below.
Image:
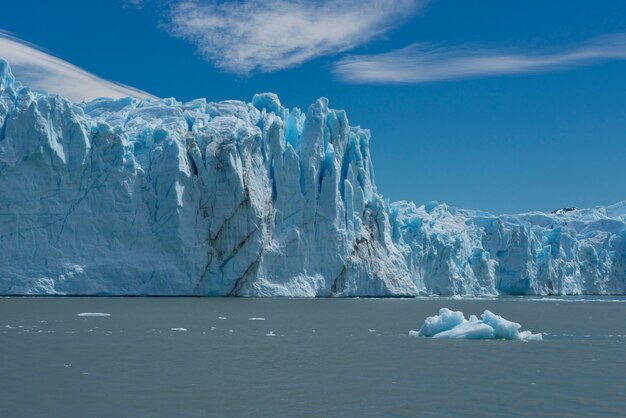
[308, 358]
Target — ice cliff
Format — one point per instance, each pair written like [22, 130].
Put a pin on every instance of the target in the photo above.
[232, 198]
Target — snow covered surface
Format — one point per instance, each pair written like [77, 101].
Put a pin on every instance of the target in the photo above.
[158, 197]
[453, 325]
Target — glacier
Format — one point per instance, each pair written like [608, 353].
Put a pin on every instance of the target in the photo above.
[159, 197]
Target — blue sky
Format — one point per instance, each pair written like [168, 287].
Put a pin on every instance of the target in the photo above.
[502, 106]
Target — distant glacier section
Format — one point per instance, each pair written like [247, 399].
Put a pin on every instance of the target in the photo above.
[158, 197]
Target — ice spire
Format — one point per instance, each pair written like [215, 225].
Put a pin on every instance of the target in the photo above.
[6, 76]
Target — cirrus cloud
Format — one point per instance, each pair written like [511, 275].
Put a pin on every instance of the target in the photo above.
[423, 63]
[243, 37]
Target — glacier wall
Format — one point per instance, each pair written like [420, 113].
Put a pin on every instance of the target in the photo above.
[166, 198]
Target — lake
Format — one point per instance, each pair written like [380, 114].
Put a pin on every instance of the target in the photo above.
[220, 357]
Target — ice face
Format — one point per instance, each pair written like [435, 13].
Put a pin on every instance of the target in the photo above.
[162, 197]
[453, 325]
[471, 252]
[6, 77]
[231, 198]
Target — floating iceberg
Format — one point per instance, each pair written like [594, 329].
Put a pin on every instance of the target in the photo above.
[453, 325]
[159, 197]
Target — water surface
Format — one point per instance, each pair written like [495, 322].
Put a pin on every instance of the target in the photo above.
[306, 358]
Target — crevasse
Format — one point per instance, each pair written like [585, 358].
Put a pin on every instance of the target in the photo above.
[159, 197]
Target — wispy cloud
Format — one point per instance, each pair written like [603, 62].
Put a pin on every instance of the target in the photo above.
[136, 4]
[264, 36]
[422, 63]
[40, 70]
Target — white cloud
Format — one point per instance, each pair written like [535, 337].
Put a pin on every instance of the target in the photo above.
[264, 36]
[422, 63]
[41, 70]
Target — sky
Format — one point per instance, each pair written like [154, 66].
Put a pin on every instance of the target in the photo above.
[501, 106]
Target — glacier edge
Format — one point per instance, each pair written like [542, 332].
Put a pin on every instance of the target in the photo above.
[159, 197]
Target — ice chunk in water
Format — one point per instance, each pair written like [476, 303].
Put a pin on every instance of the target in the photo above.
[453, 325]
[446, 320]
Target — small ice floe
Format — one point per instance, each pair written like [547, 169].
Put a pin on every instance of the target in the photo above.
[270, 334]
[9, 326]
[179, 329]
[221, 317]
[371, 330]
[256, 319]
[93, 314]
[453, 325]
[213, 328]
